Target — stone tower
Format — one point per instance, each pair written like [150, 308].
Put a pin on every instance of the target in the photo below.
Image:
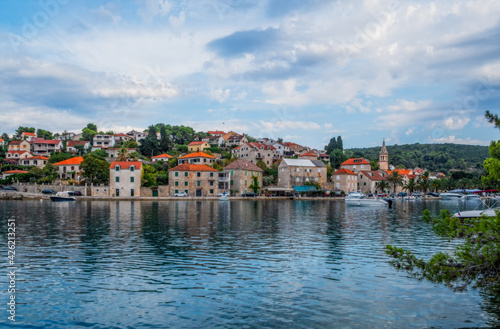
[383, 157]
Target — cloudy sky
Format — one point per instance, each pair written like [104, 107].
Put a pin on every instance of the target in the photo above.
[409, 71]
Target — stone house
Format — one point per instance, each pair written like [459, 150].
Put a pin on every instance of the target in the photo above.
[162, 157]
[125, 178]
[28, 136]
[297, 172]
[241, 175]
[254, 152]
[345, 180]
[194, 179]
[19, 146]
[367, 180]
[38, 161]
[356, 165]
[17, 155]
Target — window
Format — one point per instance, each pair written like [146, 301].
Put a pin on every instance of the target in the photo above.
[364, 183]
[361, 176]
[186, 174]
[245, 182]
[186, 191]
[338, 177]
[186, 184]
[132, 191]
[211, 174]
[176, 184]
[176, 191]
[72, 167]
[298, 169]
[198, 183]
[132, 168]
[245, 172]
[297, 179]
[117, 179]
[176, 174]
[131, 179]
[117, 168]
[211, 183]
[232, 173]
[231, 182]
[211, 191]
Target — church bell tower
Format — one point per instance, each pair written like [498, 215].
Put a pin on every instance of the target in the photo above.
[383, 158]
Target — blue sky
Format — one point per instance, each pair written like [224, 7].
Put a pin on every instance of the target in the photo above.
[408, 71]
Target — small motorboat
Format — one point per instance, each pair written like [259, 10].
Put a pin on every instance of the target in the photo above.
[451, 195]
[470, 197]
[360, 200]
[224, 196]
[62, 196]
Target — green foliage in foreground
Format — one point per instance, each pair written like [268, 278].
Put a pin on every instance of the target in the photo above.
[475, 263]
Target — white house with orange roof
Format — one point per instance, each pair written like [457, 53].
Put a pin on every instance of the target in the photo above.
[103, 141]
[197, 158]
[125, 178]
[345, 180]
[70, 168]
[122, 138]
[28, 136]
[38, 161]
[198, 146]
[6, 174]
[356, 164]
[162, 157]
[46, 147]
[253, 152]
[71, 146]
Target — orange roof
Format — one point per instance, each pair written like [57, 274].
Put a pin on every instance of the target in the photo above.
[29, 134]
[196, 143]
[15, 172]
[1, 140]
[162, 156]
[197, 155]
[401, 171]
[15, 142]
[70, 161]
[46, 141]
[216, 132]
[355, 161]
[344, 171]
[192, 167]
[125, 164]
[18, 152]
[308, 154]
[373, 175]
[37, 157]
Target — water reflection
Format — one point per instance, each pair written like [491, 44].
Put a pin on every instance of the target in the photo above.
[230, 264]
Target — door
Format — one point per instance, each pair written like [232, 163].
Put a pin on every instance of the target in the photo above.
[117, 192]
[199, 192]
[155, 193]
[131, 192]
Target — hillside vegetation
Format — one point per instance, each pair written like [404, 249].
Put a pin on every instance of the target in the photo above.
[433, 157]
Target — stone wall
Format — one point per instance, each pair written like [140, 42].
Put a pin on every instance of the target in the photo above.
[37, 188]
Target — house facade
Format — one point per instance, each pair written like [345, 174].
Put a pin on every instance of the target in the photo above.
[70, 168]
[162, 157]
[28, 136]
[241, 175]
[71, 146]
[298, 172]
[103, 141]
[368, 179]
[254, 152]
[345, 180]
[198, 146]
[17, 155]
[197, 158]
[356, 165]
[122, 138]
[38, 161]
[46, 147]
[6, 174]
[114, 152]
[125, 178]
[19, 146]
[194, 179]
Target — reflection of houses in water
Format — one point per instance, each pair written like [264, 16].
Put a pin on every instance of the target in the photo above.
[125, 217]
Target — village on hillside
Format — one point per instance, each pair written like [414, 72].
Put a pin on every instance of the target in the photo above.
[177, 161]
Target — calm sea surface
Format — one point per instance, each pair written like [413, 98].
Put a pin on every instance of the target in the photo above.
[239, 264]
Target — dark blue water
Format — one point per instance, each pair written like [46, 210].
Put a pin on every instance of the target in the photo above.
[242, 264]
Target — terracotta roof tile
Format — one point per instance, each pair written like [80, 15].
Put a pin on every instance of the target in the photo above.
[196, 143]
[192, 167]
[37, 157]
[344, 171]
[125, 164]
[15, 172]
[29, 134]
[355, 161]
[162, 156]
[70, 161]
[197, 155]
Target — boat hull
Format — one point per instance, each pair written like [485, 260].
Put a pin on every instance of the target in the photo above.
[450, 196]
[366, 203]
[61, 199]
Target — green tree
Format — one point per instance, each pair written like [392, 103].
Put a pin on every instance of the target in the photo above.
[332, 145]
[5, 137]
[150, 145]
[80, 149]
[374, 165]
[21, 130]
[95, 168]
[492, 165]
[261, 164]
[58, 157]
[130, 144]
[337, 157]
[493, 118]
[340, 144]
[254, 186]
[45, 134]
[410, 186]
[149, 176]
[88, 135]
[123, 154]
[92, 127]
[475, 261]
[382, 186]
[395, 179]
[164, 140]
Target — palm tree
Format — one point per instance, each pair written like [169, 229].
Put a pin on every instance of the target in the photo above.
[436, 184]
[122, 154]
[395, 179]
[411, 186]
[424, 181]
[382, 185]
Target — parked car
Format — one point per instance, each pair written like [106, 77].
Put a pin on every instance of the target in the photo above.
[181, 194]
[10, 188]
[249, 194]
[401, 194]
[74, 193]
[48, 191]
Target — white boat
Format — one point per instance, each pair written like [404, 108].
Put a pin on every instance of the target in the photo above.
[62, 196]
[224, 196]
[358, 199]
[470, 197]
[450, 195]
[491, 212]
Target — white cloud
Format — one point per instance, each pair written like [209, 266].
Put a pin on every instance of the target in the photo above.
[152, 8]
[284, 125]
[177, 21]
[454, 140]
[220, 95]
[328, 125]
[410, 131]
[456, 122]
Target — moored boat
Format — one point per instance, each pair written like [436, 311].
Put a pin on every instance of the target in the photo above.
[450, 195]
[62, 196]
[358, 199]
